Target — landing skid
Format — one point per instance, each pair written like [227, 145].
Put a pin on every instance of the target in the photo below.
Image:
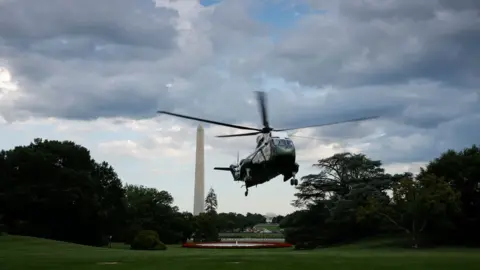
[293, 180]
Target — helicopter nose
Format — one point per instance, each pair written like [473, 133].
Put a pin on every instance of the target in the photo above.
[285, 159]
[285, 152]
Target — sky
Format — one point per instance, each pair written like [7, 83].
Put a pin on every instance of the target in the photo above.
[96, 72]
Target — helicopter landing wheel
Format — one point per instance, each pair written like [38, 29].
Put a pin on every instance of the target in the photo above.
[293, 182]
[296, 182]
[246, 193]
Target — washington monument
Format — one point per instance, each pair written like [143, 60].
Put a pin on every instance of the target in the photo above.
[198, 199]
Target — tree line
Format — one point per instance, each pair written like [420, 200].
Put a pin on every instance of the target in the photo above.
[56, 190]
[352, 197]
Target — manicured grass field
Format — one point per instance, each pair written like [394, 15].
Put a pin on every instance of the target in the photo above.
[18, 252]
[251, 235]
[272, 227]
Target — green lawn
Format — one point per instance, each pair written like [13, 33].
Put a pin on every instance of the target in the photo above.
[29, 253]
[272, 227]
[251, 235]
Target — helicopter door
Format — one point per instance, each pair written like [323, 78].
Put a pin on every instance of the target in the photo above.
[262, 152]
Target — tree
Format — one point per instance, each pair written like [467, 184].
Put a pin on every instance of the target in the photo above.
[277, 219]
[343, 184]
[111, 198]
[415, 203]
[206, 228]
[461, 170]
[185, 223]
[150, 209]
[55, 190]
[308, 226]
[252, 219]
[211, 202]
[339, 175]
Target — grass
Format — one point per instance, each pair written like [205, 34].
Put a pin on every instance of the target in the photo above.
[17, 252]
[272, 227]
[251, 235]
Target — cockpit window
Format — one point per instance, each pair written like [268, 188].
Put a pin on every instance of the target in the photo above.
[283, 142]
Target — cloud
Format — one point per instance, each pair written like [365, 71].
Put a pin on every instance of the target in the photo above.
[96, 72]
[381, 42]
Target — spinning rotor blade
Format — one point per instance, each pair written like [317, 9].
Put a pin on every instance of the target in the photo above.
[329, 124]
[239, 135]
[208, 121]
[263, 108]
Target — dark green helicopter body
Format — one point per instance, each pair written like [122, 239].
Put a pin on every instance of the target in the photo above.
[273, 156]
[274, 153]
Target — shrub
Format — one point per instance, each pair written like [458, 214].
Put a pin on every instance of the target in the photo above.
[147, 240]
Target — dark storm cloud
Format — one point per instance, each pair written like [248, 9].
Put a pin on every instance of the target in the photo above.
[88, 59]
[382, 42]
[138, 23]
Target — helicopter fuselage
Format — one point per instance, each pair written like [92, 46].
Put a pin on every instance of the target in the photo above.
[273, 156]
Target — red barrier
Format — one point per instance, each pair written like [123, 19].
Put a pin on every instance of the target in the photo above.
[237, 245]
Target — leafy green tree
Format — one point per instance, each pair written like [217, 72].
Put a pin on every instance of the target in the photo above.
[206, 228]
[308, 226]
[55, 190]
[111, 198]
[461, 169]
[230, 222]
[185, 223]
[277, 219]
[415, 203]
[343, 185]
[150, 209]
[255, 218]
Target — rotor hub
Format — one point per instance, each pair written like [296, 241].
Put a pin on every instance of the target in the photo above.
[267, 130]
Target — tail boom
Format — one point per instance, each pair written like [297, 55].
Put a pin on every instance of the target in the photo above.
[231, 169]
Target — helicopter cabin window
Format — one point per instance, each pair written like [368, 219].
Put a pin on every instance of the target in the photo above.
[283, 142]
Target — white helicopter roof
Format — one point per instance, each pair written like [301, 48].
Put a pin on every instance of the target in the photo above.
[280, 134]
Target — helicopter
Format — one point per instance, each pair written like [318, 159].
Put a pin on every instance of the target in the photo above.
[274, 153]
